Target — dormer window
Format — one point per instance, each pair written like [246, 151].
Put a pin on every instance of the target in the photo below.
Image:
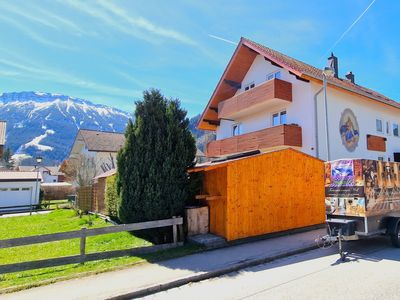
[273, 75]
[249, 86]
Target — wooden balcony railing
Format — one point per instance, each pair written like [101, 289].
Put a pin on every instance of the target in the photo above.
[282, 135]
[261, 94]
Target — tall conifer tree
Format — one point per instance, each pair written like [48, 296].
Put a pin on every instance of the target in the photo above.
[159, 147]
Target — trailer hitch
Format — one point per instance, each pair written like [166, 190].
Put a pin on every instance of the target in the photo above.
[329, 240]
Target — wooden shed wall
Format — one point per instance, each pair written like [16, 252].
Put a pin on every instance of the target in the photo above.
[273, 192]
[215, 184]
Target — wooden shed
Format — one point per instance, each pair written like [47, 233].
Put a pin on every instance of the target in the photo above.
[263, 193]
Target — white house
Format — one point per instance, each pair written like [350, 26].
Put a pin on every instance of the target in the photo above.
[19, 189]
[267, 100]
[48, 174]
[102, 146]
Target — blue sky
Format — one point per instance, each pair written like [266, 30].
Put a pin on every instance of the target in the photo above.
[110, 51]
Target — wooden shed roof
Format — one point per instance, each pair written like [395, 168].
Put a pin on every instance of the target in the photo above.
[207, 166]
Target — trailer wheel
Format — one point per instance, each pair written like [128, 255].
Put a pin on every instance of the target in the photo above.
[395, 238]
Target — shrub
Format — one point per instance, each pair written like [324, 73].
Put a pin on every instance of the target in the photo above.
[159, 148]
[111, 196]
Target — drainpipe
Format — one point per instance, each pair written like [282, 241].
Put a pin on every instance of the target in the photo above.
[326, 117]
[316, 120]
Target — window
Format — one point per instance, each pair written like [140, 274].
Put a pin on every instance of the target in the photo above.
[14, 189]
[379, 126]
[25, 189]
[236, 129]
[279, 118]
[249, 86]
[395, 129]
[387, 128]
[380, 158]
[3, 190]
[273, 75]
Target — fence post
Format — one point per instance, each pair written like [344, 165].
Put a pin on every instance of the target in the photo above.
[181, 234]
[83, 245]
[175, 232]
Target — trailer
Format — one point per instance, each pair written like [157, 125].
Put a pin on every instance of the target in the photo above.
[362, 199]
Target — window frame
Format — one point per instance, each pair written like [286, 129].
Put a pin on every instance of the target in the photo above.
[376, 125]
[279, 113]
[237, 125]
[249, 86]
[397, 125]
[275, 75]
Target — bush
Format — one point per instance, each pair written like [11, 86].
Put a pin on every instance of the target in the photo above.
[111, 196]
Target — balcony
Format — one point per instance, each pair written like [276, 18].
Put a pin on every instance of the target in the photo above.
[266, 94]
[277, 136]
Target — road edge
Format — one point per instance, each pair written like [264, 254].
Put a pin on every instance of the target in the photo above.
[208, 275]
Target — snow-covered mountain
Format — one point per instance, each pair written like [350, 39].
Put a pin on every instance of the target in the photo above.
[46, 124]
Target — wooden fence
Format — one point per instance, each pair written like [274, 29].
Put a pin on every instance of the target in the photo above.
[177, 230]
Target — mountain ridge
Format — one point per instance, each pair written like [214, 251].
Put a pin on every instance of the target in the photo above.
[46, 124]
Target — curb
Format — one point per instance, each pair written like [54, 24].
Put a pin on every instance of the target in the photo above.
[208, 275]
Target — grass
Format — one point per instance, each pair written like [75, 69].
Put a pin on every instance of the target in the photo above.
[60, 221]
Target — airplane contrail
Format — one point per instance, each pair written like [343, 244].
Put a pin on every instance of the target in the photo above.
[222, 39]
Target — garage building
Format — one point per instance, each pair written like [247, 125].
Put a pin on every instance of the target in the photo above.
[19, 189]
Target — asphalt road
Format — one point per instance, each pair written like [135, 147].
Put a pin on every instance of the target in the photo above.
[372, 271]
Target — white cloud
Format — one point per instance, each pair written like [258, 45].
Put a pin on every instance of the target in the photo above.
[33, 35]
[38, 72]
[145, 24]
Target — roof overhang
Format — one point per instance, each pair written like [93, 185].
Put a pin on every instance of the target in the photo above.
[231, 79]
[238, 66]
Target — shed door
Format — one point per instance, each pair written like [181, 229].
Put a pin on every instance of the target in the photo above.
[15, 196]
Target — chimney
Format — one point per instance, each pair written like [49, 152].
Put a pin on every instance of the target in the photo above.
[333, 64]
[350, 76]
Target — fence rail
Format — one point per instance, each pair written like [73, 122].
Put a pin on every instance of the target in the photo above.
[177, 230]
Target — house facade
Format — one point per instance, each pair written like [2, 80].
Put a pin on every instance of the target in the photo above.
[48, 174]
[100, 145]
[266, 101]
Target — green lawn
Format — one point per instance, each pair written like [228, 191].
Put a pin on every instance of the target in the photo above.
[66, 220]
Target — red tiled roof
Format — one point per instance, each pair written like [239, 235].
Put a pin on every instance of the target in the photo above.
[302, 69]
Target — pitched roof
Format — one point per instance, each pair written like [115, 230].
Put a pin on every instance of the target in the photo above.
[55, 171]
[305, 70]
[107, 174]
[18, 176]
[3, 126]
[102, 141]
[241, 61]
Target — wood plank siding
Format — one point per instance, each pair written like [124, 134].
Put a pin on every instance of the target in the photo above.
[265, 193]
[215, 185]
[376, 143]
[272, 89]
[282, 135]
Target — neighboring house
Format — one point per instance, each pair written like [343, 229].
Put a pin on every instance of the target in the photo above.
[102, 146]
[3, 126]
[48, 174]
[19, 189]
[267, 100]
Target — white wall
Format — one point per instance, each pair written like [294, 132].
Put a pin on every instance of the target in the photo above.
[366, 111]
[16, 198]
[300, 111]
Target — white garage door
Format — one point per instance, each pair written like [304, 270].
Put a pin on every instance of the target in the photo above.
[15, 196]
